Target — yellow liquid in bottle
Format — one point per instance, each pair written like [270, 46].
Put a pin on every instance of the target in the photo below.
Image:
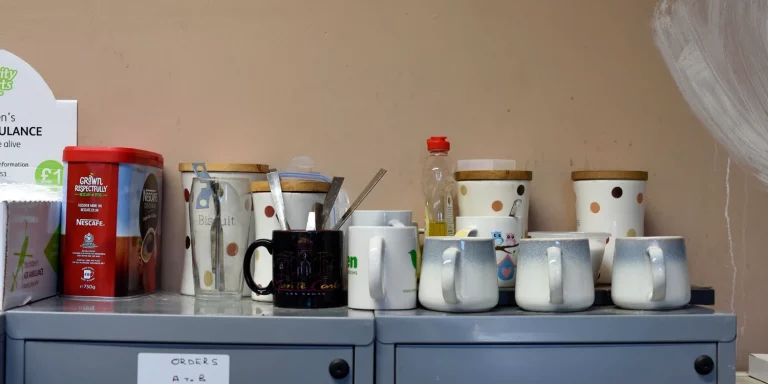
[437, 228]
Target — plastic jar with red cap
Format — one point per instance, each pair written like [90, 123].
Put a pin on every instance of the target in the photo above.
[438, 144]
[438, 186]
[111, 217]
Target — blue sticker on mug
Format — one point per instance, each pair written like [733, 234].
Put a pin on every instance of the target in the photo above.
[498, 238]
[506, 268]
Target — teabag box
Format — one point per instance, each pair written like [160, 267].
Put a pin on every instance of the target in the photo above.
[29, 243]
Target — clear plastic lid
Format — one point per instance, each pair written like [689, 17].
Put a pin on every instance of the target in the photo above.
[303, 168]
[485, 165]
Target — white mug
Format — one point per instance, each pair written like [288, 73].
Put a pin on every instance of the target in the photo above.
[597, 242]
[458, 274]
[388, 218]
[493, 193]
[506, 232]
[613, 202]
[251, 172]
[554, 275]
[382, 267]
[298, 196]
[650, 273]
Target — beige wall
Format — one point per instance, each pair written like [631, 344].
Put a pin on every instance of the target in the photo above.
[358, 85]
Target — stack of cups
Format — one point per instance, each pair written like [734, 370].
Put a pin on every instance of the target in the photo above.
[612, 202]
[299, 196]
[383, 260]
[251, 172]
[494, 203]
[644, 272]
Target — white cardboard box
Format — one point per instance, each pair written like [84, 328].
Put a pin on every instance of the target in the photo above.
[29, 241]
[758, 366]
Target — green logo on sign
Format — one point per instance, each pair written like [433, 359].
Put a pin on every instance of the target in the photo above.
[352, 263]
[7, 75]
[49, 172]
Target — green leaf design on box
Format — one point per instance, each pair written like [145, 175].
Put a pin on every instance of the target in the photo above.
[51, 250]
[22, 254]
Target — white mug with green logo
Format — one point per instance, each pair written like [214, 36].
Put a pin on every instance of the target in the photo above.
[382, 267]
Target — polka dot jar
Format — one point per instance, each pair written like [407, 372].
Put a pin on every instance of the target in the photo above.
[492, 193]
[298, 196]
[252, 172]
[613, 202]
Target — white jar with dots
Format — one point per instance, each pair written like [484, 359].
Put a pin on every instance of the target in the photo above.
[613, 202]
[493, 193]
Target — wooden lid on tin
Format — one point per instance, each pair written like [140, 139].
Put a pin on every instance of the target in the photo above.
[494, 175]
[228, 167]
[306, 186]
[609, 175]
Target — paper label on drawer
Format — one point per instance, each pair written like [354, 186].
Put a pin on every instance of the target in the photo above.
[165, 368]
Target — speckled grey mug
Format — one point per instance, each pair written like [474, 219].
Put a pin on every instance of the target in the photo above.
[458, 274]
[650, 273]
[554, 275]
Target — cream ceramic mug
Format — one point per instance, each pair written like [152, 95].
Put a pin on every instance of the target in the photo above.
[650, 273]
[506, 232]
[493, 193]
[298, 196]
[554, 275]
[458, 274]
[613, 202]
[382, 267]
[252, 172]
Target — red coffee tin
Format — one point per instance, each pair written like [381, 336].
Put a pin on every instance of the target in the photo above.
[111, 221]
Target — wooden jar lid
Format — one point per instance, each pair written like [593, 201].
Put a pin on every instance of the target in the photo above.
[228, 167]
[609, 175]
[293, 186]
[494, 175]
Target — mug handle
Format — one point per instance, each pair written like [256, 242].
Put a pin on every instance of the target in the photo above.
[375, 275]
[248, 274]
[448, 274]
[658, 273]
[555, 263]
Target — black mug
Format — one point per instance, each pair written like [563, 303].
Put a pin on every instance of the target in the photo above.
[306, 269]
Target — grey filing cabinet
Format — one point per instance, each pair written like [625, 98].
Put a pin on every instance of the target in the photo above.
[60, 340]
[601, 345]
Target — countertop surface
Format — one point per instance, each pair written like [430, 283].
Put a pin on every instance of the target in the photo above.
[174, 304]
[171, 317]
[743, 378]
[595, 325]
